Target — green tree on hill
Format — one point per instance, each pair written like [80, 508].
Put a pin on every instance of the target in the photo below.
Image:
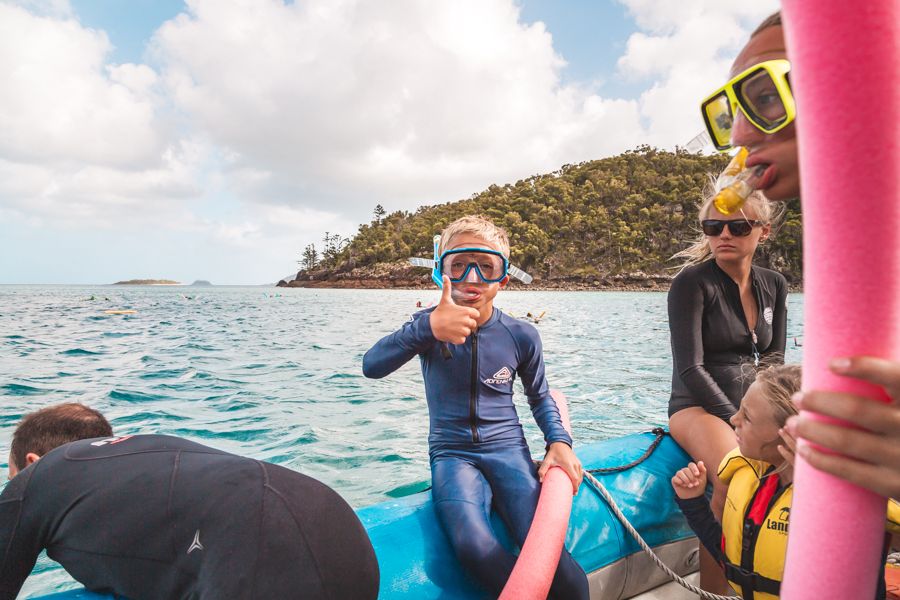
[616, 215]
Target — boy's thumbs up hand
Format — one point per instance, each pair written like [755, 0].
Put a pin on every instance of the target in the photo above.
[449, 322]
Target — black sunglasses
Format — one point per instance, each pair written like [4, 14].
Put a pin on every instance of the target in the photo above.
[737, 227]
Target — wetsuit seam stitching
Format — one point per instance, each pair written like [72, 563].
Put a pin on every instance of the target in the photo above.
[12, 538]
[262, 515]
[302, 533]
[175, 464]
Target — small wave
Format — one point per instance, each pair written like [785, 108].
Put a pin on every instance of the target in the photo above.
[118, 334]
[148, 417]
[16, 389]
[126, 396]
[234, 405]
[343, 376]
[389, 458]
[239, 435]
[14, 337]
[79, 352]
[165, 373]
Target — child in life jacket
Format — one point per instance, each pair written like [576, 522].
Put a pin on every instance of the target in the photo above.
[751, 542]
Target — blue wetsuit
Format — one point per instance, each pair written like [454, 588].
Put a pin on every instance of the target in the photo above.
[476, 444]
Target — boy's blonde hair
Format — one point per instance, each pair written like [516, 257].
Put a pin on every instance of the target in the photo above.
[478, 226]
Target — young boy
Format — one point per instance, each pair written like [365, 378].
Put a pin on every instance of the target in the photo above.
[470, 355]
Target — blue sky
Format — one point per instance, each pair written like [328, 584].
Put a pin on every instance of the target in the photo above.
[214, 139]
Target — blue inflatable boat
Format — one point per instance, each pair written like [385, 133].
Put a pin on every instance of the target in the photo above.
[417, 564]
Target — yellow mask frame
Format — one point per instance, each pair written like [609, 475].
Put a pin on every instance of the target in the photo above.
[762, 93]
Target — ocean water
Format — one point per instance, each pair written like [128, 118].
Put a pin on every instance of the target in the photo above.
[276, 374]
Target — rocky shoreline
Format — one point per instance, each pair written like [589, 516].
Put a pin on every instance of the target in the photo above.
[405, 277]
[402, 276]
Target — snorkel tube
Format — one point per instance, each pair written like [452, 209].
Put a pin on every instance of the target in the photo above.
[844, 58]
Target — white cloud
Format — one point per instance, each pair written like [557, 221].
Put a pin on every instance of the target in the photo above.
[58, 104]
[351, 103]
[685, 49]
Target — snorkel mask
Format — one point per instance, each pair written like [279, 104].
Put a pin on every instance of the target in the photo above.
[762, 93]
[490, 266]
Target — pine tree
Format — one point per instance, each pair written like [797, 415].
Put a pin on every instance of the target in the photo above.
[310, 258]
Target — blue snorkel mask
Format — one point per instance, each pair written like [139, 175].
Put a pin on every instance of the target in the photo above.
[489, 265]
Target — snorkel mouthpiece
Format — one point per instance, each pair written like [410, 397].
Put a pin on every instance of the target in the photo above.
[736, 183]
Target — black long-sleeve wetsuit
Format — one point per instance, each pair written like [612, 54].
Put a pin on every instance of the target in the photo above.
[712, 345]
[153, 516]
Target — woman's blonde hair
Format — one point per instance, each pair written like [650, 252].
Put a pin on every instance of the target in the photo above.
[478, 226]
[767, 211]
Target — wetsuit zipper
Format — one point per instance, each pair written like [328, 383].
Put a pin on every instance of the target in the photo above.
[759, 308]
[473, 395]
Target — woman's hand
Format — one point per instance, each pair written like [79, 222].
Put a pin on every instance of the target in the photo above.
[560, 454]
[690, 482]
[869, 457]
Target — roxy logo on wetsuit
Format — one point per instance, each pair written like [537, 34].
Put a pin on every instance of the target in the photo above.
[502, 376]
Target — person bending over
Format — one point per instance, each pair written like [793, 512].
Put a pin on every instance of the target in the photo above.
[159, 517]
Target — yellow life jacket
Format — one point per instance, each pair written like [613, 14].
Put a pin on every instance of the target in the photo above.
[755, 525]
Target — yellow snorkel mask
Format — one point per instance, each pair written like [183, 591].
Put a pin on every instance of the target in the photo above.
[762, 93]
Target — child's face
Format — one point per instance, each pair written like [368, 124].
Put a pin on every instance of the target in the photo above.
[473, 292]
[756, 428]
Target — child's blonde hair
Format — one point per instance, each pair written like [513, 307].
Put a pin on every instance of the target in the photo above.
[478, 226]
[779, 383]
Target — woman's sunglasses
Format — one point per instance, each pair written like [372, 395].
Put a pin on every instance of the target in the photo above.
[737, 227]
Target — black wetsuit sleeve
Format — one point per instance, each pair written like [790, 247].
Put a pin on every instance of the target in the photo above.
[543, 406]
[396, 349]
[779, 321]
[20, 541]
[700, 518]
[685, 302]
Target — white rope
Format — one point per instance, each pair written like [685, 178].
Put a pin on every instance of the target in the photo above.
[637, 536]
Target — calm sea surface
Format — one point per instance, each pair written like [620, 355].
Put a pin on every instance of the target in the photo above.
[276, 374]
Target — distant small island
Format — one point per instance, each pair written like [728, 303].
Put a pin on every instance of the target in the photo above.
[148, 282]
[201, 282]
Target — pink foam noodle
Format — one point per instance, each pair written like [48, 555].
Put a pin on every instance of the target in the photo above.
[537, 562]
[845, 61]
[563, 407]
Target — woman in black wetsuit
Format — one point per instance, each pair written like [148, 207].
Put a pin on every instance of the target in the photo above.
[726, 317]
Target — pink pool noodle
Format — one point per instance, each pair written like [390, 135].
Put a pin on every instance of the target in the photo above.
[536, 565]
[845, 62]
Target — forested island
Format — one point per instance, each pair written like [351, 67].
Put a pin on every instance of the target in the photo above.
[612, 223]
[148, 282]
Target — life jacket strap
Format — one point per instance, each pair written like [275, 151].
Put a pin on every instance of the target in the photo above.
[751, 581]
